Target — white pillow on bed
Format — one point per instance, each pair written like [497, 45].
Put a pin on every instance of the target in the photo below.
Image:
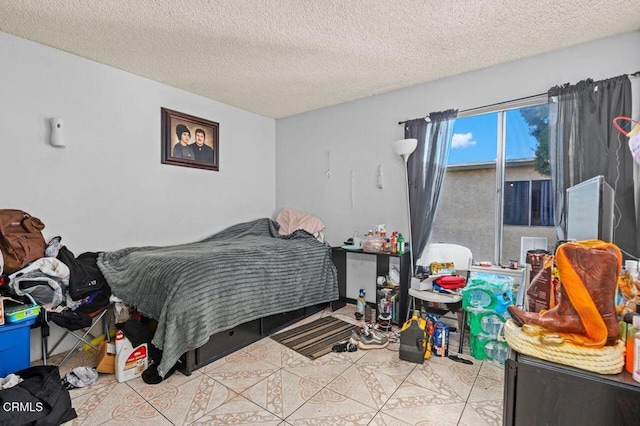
[290, 220]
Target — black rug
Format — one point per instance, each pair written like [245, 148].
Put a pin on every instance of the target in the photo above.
[316, 338]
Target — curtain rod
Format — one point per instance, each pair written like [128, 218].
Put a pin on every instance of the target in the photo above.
[490, 105]
[635, 74]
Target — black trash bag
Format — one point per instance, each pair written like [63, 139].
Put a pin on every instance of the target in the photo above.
[40, 399]
[86, 278]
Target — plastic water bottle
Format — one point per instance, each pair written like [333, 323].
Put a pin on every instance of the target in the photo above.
[357, 242]
[491, 324]
[631, 266]
[361, 302]
[496, 351]
[400, 244]
[478, 298]
[394, 243]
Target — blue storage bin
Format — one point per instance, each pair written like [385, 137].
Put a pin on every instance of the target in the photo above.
[15, 353]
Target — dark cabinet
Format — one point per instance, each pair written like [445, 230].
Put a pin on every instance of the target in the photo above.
[339, 257]
[538, 392]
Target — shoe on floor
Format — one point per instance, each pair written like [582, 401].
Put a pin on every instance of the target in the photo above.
[372, 341]
[355, 336]
[344, 347]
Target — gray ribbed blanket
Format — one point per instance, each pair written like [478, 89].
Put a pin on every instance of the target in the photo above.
[242, 273]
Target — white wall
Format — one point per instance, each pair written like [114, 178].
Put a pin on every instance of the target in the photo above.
[107, 189]
[358, 134]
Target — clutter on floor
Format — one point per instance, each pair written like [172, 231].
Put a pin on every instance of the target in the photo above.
[344, 347]
[41, 390]
[80, 377]
[316, 338]
[368, 337]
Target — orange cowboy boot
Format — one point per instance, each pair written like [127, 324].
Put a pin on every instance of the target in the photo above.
[585, 314]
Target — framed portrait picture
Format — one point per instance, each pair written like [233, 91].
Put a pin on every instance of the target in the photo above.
[189, 141]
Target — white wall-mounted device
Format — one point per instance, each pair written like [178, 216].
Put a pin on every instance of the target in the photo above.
[57, 133]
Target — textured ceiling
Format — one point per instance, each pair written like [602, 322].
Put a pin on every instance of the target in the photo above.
[282, 57]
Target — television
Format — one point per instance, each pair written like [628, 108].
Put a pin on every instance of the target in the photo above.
[590, 213]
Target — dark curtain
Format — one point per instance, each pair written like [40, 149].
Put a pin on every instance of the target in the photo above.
[583, 143]
[516, 203]
[546, 204]
[426, 170]
[635, 113]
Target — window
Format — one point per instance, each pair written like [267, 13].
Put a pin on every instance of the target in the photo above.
[528, 203]
[497, 187]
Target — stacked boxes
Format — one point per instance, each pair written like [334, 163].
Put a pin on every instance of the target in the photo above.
[486, 298]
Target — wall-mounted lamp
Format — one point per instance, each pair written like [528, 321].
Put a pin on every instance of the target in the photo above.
[57, 133]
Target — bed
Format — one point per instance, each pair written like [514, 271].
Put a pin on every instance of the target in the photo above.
[240, 283]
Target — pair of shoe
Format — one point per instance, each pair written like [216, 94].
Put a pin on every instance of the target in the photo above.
[368, 339]
[344, 347]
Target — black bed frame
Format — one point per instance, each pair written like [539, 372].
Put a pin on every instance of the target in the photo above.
[225, 342]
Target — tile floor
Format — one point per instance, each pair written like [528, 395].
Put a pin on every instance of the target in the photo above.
[269, 384]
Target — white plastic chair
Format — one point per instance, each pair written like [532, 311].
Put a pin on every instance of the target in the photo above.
[461, 257]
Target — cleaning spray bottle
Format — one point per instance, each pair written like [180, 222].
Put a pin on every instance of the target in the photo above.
[130, 362]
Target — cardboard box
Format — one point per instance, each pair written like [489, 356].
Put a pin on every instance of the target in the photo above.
[106, 358]
[424, 284]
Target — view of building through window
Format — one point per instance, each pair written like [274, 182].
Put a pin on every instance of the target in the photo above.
[491, 215]
[528, 202]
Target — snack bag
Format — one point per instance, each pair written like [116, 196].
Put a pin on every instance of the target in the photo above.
[442, 268]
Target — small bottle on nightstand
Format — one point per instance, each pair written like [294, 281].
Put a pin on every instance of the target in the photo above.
[400, 244]
[394, 243]
[357, 242]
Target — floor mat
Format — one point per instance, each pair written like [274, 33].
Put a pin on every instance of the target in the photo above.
[316, 338]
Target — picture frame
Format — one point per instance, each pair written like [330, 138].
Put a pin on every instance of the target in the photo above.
[189, 141]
